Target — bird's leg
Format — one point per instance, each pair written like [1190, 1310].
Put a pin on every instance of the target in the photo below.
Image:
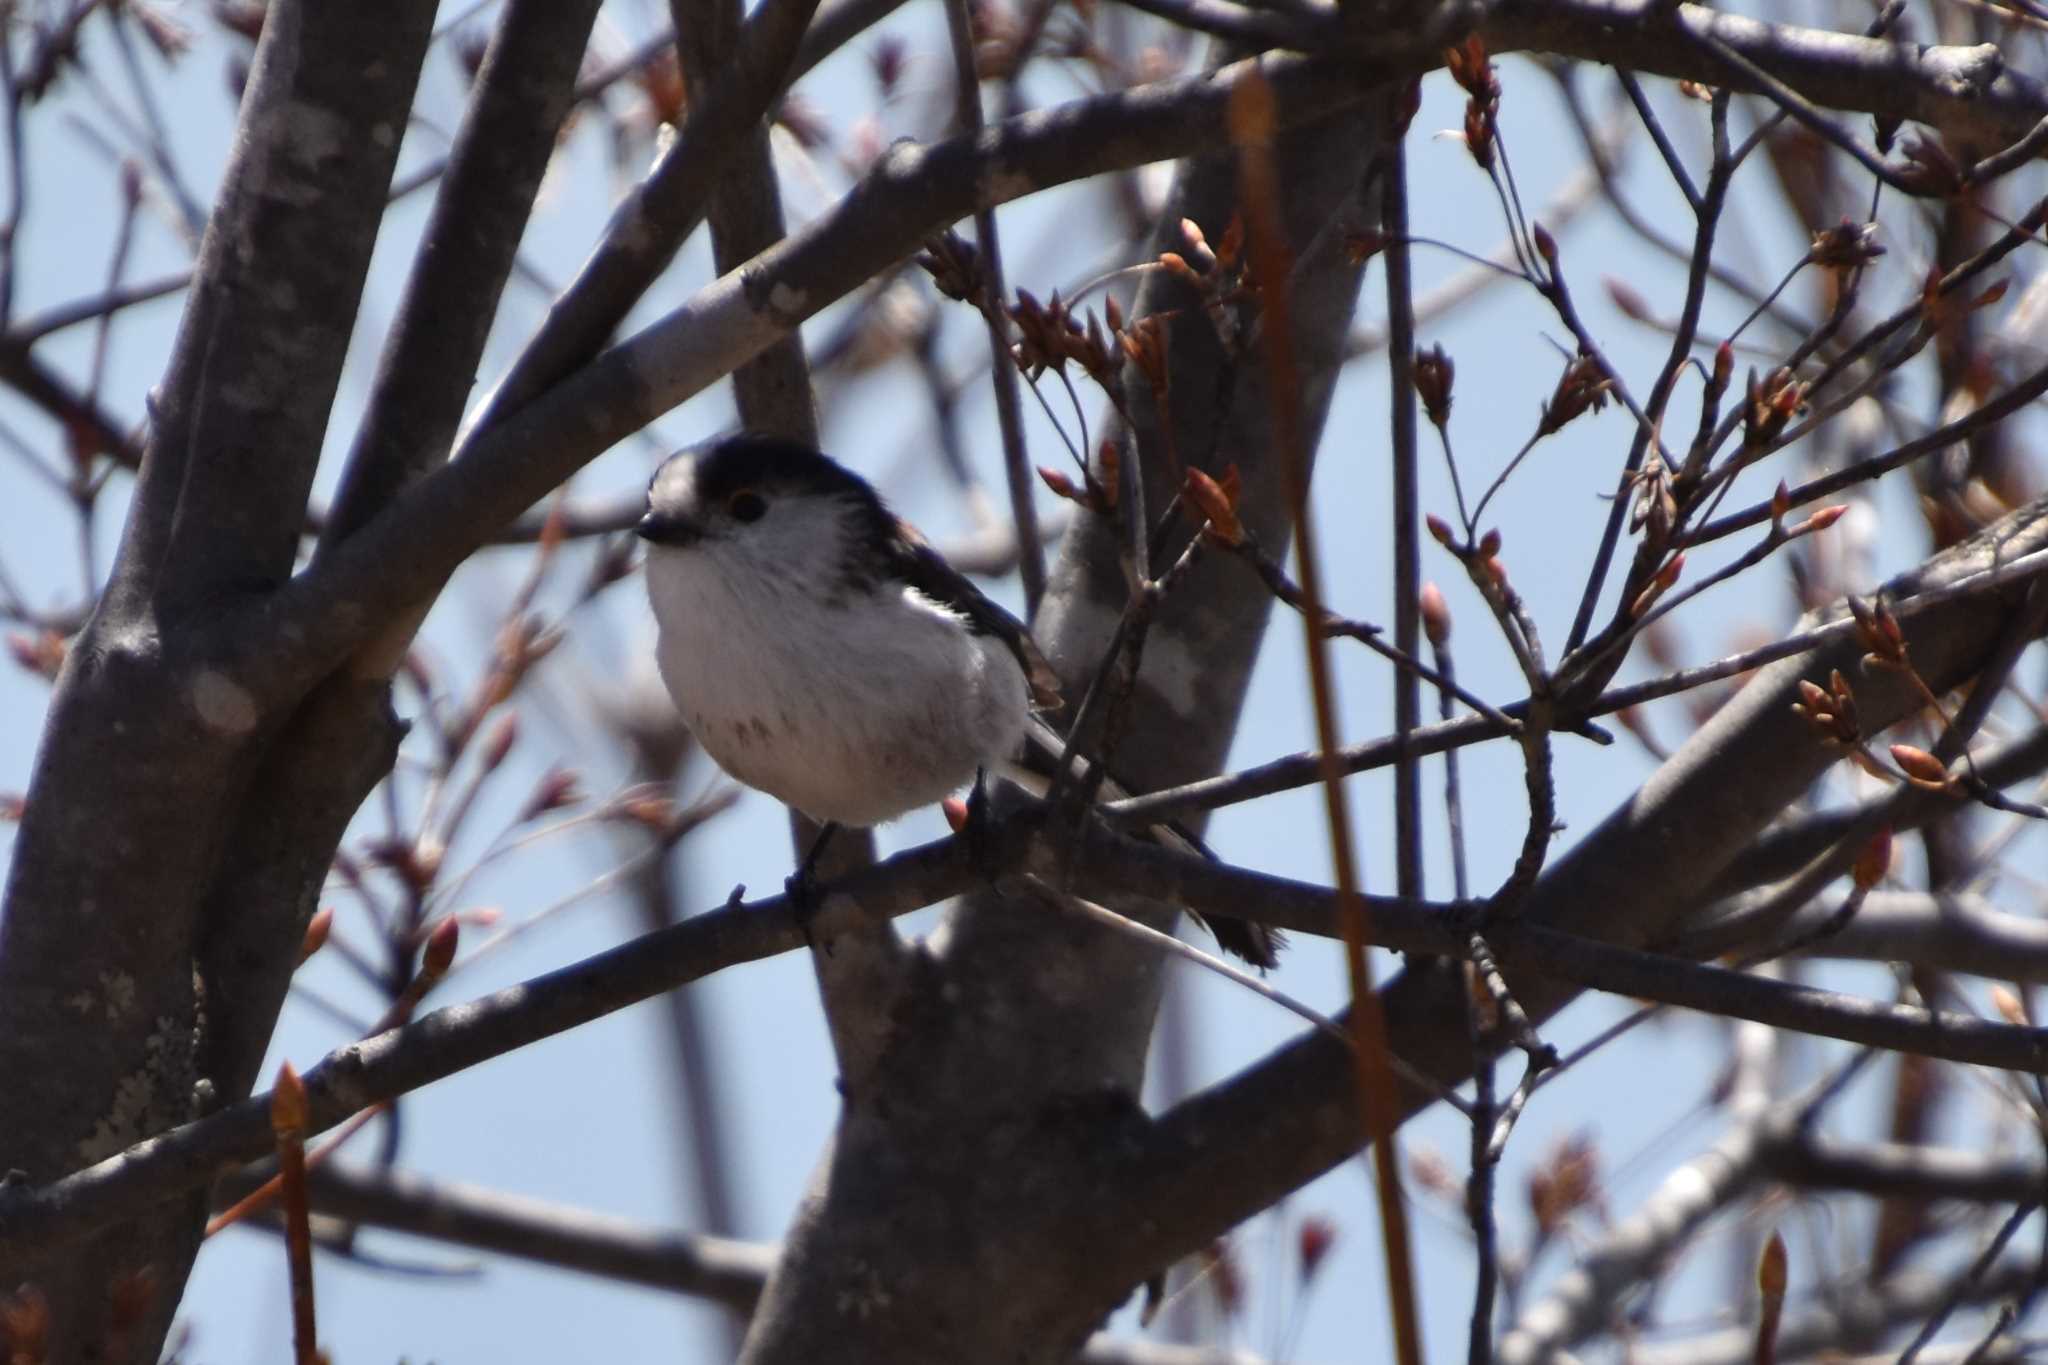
[979, 827]
[802, 886]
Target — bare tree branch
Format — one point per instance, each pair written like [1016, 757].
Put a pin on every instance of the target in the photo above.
[1812, 1162]
[1627, 882]
[403, 557]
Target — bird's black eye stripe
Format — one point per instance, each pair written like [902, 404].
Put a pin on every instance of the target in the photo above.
[746, 505]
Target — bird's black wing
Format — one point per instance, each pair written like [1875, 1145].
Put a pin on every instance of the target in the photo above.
[914, 562]
[917, 564]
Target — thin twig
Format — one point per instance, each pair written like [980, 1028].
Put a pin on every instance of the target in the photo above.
[1707, 222]
[1403, 512]
[1978, 1269]
[1003, 370]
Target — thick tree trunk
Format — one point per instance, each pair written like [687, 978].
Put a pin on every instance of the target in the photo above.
[957, 1215]
[181, 819]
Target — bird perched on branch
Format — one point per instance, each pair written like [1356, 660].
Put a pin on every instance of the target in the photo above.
[822, 652]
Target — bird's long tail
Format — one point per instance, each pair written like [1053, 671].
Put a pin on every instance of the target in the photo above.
[1255, 943]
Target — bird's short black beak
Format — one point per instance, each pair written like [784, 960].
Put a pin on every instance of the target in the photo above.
[661, 528]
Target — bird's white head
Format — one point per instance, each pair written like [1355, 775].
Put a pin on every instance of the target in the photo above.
[774, 514]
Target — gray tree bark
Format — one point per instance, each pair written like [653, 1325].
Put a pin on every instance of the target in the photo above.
[178, 825]
[952, 1218]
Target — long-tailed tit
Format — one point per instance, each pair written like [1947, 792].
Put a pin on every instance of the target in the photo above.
[821, 652]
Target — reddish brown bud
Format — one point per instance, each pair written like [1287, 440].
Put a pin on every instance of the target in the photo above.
[646, 804]
[1472, 68]
[1214, 505]
[1313, 1243]
[1479, 134]
[557, 787]
[1874, 862]
[1059, 483]
[439, 954]
[1546, 245]
[1144, 342]
[1771, 1271]
[1435, 613]
[1772, 1294]
[1433, 373]
[1440, 530]
[2010, 1007]
[1846, 246]
[288, 1109]
[1567, 1182]
[955, 811]
[1631, 303]
[661, 82]
[1049, 337]
[1582, 387]
[1232, 245]
[1489, 544]
[1832, 712]
[1921, 768]
[1773, 399]
[1658, 586]
[1879, 632]
[1789, 399]
[317, 929]
[955, 268]
[41, 653]
[1645, 599]
[1821, 520]
[889, 57]
[1109, 463]
[500, 740]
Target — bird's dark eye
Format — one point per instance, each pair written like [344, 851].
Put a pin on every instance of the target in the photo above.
[746, 505]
